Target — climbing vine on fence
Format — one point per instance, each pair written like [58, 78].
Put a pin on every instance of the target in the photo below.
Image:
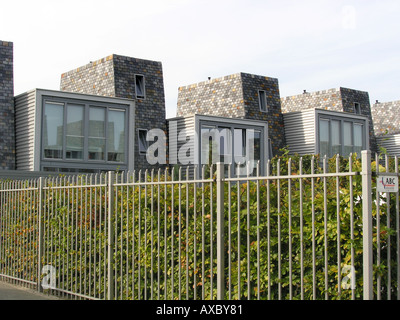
[285, 238]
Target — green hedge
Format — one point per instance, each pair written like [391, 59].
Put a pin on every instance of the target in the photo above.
[163, 248]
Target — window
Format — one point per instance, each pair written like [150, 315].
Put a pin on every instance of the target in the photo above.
[341, 136]
[139, 86]
[357, 108]
[97, 134]
[232, 144]
[143, 143]
[81, 132]
[53, 127]
[74, 132]
[262, 99]
[116, 135]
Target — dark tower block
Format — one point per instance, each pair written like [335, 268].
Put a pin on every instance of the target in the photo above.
[7, 127]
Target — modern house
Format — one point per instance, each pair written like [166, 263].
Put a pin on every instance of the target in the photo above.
[203, 139]
[125, 77]
[104, 114]
[328, 122]
[237, 96]
[73, 132]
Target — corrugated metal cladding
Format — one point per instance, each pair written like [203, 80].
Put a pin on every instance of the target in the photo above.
[391, 143]
[300, 131]
[183, 125]
[25, 130]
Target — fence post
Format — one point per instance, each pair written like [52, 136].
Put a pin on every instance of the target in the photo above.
[367, 224]
[40, 234]
[110, 241]
[220, 232]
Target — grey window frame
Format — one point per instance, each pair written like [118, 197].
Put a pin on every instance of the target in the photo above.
[143, 84]
[262, 95]
[232, 127]
[68, 163]
[342, 120]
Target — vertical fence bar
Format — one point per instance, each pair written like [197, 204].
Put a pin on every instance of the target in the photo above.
[269, 230]
[396, 165]
[110, 251]
[220, 232]
[378, 234]
[40, 234]
[238, 234]
[278, 173]
[367, 224]
[389, 268]
[338, 228]
[353, 293]
[301, 232]
[229, 235]
[325, 229]
[290, 227]
[258, 231]
[248, 232]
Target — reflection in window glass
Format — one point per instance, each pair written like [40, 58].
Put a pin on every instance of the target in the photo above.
[116, 136]
[74, 132]
[96, 141]
[139, 85]
[335, 131]
[324, 137]
[262, 100]
[143, 143]
[207, 144]
[358, 138]
[53, 130]
[347, 138]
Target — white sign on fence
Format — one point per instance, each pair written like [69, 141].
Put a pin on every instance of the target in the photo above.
[387, 183]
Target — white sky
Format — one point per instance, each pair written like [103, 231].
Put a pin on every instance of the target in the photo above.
[306, 44]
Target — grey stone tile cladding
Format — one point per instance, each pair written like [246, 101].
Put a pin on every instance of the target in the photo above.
[386, 117]
[7, 126]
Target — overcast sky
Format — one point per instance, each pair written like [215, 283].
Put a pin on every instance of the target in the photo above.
[306, 44]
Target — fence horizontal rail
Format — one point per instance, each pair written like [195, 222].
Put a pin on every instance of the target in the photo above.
[285, 235]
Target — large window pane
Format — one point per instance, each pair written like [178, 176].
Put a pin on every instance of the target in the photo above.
[96, 141]
[347, 138]
[335, 133]
[116, 136]
[324, 137]
[208, 145]
[358, 138]
[255, 149]
[74, 132]
[53, 130]
[225, 145]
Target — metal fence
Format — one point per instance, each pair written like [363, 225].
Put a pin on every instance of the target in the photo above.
[308, 229]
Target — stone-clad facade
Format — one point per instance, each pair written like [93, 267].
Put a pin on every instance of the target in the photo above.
[115, 76]
[7, 128]
[337, 99]
[385, 116]
[236, 96]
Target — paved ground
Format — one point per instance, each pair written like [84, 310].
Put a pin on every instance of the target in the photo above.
[14, 292]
